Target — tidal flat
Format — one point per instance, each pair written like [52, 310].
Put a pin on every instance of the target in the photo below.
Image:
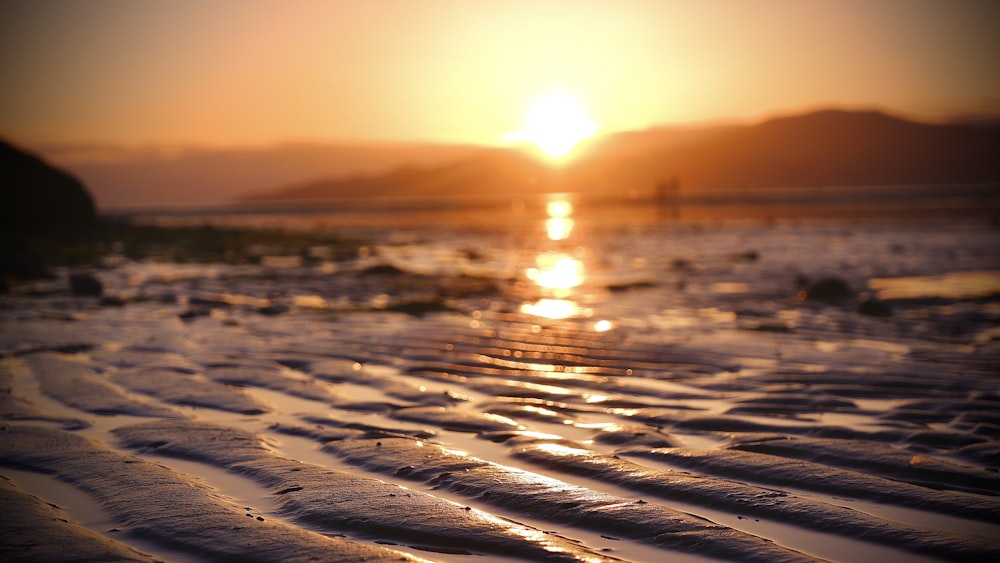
[545, 388]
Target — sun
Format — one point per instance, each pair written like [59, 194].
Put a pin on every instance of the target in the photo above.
[556, 122]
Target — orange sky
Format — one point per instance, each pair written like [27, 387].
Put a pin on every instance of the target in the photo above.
[253, 72]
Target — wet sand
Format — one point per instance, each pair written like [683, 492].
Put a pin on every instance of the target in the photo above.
[742, 390]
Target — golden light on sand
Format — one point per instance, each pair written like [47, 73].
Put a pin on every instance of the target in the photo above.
[556, 123]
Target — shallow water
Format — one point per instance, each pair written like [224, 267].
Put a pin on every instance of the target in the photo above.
[680, 368]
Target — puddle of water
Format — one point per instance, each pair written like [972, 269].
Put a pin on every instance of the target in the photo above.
[243, 493]
[25, 384]
[78, 504]
[86, 512]
[918, 518]
[953, 285]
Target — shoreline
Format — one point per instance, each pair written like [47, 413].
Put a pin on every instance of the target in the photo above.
[946, 202]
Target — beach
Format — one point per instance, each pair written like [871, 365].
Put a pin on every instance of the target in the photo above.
[552, 383]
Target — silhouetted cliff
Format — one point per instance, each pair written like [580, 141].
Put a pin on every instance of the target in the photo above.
[37, 199]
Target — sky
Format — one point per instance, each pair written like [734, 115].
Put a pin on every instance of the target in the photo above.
[254, 72]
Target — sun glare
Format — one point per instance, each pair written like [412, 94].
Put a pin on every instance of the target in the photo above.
[556, 123]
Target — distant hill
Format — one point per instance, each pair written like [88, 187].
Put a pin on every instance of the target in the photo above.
[826, 148]
[829, 148]
[487, 172]
[137, 177]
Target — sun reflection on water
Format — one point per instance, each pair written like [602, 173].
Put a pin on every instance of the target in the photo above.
[560, 224]
[551, 308]
[556, 272]
[559, 228]
[559, 208]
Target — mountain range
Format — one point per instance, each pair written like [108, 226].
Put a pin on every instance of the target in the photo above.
[827, 148]
[820, 149]
[140, 177]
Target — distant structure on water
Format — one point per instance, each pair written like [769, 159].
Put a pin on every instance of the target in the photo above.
[668, 198]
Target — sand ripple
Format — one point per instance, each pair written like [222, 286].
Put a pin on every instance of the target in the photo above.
[687, 400]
